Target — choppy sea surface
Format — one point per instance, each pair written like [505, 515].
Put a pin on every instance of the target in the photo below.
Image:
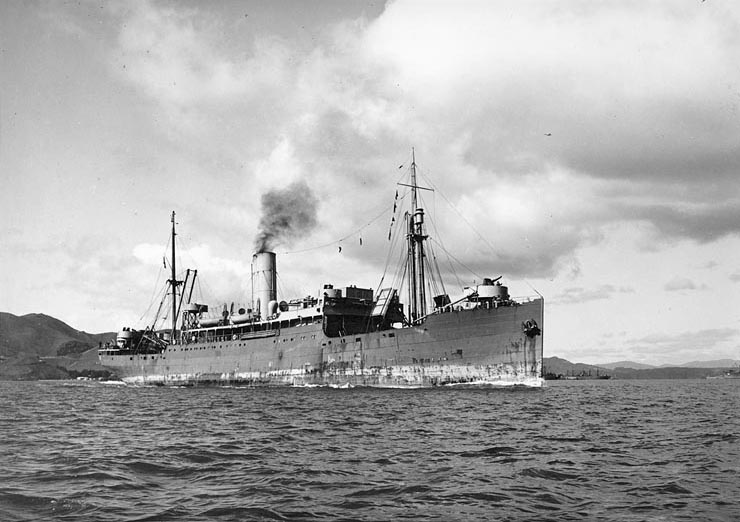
[575, 450]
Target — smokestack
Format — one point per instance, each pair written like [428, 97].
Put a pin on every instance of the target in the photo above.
[264, 282]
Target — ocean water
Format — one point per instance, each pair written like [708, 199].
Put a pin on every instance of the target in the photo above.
[576, 450]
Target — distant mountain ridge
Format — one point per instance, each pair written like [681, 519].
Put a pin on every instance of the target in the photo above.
[718, 363]
[627, 364]
[38, 346]
[555, 368]
[560, 366]
[42, 335]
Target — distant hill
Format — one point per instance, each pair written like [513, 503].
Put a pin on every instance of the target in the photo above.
[42, 335]
[555, 366]
[669, 372]
[719, 363]
[37, 346]
[627, 364]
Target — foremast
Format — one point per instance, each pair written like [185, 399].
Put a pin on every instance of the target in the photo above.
[173, 283]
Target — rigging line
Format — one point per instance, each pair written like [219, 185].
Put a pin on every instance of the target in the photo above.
[439, 241]
[401, 264]
[357, 231]
[400, 293]
[400, 272]
[534, 289]
[187, 251]
[152, 299]
[452, 268]
[449, 259]
[282, 286]
[166, 248]
[351, 234]
[406, 162]
[279, 285]
[159, 310]
[454, 272]
[493, 251]
[400, 277]
[436, 270]
[395, 239]
[388, 257]
[456, 259]
[200, 290]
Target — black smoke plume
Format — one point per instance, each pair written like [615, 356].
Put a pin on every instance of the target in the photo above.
[286, 214]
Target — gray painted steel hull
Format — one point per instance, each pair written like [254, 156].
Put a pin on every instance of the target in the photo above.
[481, 346]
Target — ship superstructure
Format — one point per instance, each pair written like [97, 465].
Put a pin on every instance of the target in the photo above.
[344, 335]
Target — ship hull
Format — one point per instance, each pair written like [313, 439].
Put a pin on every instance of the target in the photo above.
[480, 346]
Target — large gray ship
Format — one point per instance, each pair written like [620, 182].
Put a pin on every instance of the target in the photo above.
[346, 336]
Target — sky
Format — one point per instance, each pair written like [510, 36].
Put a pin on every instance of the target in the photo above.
[586, 151]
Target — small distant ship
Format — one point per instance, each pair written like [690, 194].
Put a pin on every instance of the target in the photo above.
[583, 376]
[731, 374]
[346, 336]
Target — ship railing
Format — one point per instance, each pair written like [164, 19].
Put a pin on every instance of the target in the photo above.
[109, 351]
[510, 301]
[225, 333]
[488, 303]
[527, 298]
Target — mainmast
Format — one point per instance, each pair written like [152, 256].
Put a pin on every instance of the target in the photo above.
[173, 283]
[416, 254]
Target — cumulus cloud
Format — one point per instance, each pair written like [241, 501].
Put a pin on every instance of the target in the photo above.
[700, 218]
[680, 283]
[178, 58]
[583, 295]
[219, 277]
[537, 125]
[171, 54]
[686, 346]
[513, 72]
[556, 93]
